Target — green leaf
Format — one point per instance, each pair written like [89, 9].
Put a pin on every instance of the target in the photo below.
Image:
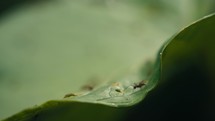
[52, 48]
[48, 50]
[191, 36]
[118, 91]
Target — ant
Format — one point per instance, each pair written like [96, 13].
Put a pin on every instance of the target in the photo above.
[69, 95]
[118, 90]
[139, 85]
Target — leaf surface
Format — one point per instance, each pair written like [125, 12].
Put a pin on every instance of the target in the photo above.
[122, 90]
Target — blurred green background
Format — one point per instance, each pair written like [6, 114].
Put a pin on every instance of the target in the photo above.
[53, 47]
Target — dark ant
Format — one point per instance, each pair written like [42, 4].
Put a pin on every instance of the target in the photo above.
[118, 90]
[139, 85]
[69, 95]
